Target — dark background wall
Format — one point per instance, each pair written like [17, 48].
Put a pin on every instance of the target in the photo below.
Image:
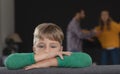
[30, 13]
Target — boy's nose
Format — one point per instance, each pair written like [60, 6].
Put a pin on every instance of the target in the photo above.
[47, 50]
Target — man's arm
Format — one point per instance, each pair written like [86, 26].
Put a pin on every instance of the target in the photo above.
[76, 30]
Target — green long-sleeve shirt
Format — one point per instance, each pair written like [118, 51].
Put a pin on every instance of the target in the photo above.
[20, 60]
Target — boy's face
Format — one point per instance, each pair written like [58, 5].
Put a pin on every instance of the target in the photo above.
[46, 45]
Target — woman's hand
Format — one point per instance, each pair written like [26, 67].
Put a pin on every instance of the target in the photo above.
[97, 32]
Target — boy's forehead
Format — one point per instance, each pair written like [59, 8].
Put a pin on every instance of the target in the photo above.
[46, 39]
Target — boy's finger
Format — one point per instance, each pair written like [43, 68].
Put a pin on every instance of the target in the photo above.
[67, 53]
[60, 55]
[28, 67]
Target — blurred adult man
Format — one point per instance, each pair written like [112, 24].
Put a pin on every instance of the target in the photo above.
[75, 34]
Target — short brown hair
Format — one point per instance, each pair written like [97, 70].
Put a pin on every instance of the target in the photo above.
[50, 31]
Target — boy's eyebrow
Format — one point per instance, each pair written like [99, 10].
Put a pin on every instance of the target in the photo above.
[40, 43]
[54, 43]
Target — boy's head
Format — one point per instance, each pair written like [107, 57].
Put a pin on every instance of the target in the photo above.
[47, 36]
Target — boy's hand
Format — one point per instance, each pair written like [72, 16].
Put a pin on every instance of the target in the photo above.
[54, 53]
[30, 67]
[52, 62]
[51, 54]
[60, 54]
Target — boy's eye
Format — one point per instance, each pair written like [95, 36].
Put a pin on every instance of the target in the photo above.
[41, 46]
[53, 46]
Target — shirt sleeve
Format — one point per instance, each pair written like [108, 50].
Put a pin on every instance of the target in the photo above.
[19, 60]
[77, 60]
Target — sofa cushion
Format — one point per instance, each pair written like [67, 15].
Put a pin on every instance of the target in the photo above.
[108, 69]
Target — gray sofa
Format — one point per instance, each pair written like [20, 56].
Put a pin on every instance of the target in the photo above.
[108, 69]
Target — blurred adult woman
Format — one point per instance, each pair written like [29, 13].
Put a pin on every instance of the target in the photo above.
[109, 38]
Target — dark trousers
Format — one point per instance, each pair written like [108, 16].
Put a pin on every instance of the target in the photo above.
[112, 54]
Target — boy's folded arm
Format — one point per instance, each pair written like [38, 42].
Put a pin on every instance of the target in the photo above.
[19, 60]
[52, 62]
[76, 60]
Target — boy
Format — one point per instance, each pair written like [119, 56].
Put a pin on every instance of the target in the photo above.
[47, 46]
